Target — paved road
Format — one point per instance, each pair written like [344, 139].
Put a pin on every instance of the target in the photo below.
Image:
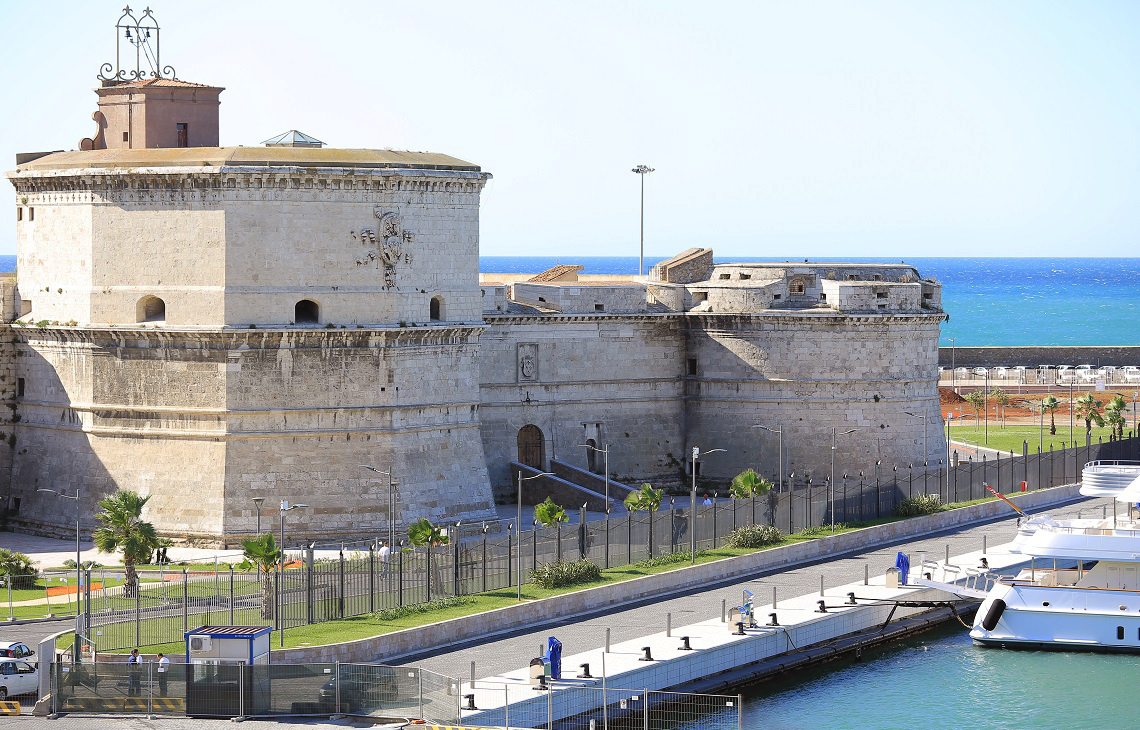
[516, 650]
[77, 722]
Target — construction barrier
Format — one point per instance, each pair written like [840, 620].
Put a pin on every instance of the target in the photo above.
[8, 707]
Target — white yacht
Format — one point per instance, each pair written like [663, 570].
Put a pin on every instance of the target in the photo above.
[1091, 602]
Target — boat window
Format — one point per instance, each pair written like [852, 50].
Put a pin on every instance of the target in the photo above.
[1120, 633]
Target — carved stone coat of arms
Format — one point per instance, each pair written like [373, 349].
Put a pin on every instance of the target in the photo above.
[384, 245]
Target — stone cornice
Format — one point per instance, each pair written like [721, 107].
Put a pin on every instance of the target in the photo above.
[717, 320]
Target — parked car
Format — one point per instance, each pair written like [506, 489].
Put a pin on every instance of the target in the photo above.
[18, 678]
[361, 693]
[16, 650]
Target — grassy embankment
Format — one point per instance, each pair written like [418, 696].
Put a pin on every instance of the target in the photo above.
[1010, 437]
[365, 626]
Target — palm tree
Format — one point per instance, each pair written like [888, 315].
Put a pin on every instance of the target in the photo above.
[749, 484]
[261, 553]
[124, 529]
[647, 498]
[1088, 408]
[1114, 415]
[548, 513]
[423, 533]
[1050, 404]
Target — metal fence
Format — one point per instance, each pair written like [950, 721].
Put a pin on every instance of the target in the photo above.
[312, 590]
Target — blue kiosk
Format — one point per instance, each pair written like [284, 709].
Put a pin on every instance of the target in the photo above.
[218, 682]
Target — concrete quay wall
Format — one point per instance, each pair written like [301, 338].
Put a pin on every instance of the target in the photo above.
[423, 638]
[1100, 355]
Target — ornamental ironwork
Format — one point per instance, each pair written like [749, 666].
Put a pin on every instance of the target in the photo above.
[136, 40]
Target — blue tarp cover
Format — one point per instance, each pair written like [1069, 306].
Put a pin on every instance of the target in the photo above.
[554, 657]
[902, 562]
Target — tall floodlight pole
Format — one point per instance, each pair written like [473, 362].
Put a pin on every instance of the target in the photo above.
[285, 507]
[391, 499]
[693, 505]
[642, 170]
[78, 567]
[831, 482]
[257, 506]
[518, 542]
[953, 369]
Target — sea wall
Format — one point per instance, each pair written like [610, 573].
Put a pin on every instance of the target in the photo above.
[1033, 356]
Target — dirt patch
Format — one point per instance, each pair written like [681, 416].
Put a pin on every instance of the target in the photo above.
[948, 397]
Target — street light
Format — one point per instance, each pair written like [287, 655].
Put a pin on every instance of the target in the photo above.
[642, 170]
[605, 451]
[831, 480]
[693, 505]
[518, 545]
[391, 498]
[925, 452]
[78, 567]
[257, 506]
[285, 507]
[953, 362]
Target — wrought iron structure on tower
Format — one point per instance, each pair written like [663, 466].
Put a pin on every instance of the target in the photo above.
[141, 36]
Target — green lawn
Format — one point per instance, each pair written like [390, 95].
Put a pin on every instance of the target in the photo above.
[1010, 437]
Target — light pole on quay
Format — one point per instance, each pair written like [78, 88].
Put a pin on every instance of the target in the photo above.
[78, 567]
[518, 532]
[257, 506]
[642, 171]
[391, 499]
[693, 504]
[831, 481]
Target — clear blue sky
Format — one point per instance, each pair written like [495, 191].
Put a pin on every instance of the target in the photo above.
[836, 129]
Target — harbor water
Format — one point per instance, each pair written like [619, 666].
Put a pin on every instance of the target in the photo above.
[939, 680]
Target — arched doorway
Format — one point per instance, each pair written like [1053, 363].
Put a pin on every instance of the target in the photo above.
[592, 456]
[150, 309]
[307, 311]
[435, 309]
[532, 446]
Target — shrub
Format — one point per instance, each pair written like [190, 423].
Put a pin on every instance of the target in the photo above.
[922, 504]
[548, 513]
[667, 559]
[19, 568]
[391, 614]
[565, 573]
[754, 536]
[821, 530]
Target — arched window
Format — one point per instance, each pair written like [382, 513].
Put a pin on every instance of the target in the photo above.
[307, 312]
[532, 446]
[796, 287]
[150, 309]
[435, 309]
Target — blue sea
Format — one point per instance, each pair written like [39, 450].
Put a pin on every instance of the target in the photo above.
[991, 301]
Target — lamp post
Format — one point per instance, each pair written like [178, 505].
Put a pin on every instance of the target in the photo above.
[831, 480]
[642, 170]
[391, 499]
[606, 452]
[693, 505]
[953, 362]
[518, 542]
[257, 506]
[285, 507]
[923, 416]
[78, 566]
[986, 401]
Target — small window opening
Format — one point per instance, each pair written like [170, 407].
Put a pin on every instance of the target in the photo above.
[700, 296]
[19, 214]
[881, 294]
[435, 309]
[183, 134]
[150, 309]
[852, 277]
[599, 307]
[928, 295]
[822, 297]
[307, 311]
[882, 306]
[1120, 633]
[725, 276]
[745, 277]
[542, 299]
[777, 296]
[31, 214]
[20, 387]
[126, 137]
[692, 366]
[877, 277]
[796, 288]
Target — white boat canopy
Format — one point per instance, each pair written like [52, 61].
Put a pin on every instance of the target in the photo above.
[1131, 493]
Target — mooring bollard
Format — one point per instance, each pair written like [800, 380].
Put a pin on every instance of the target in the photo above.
[648, 655]
[772, 620]
[851, 598]
[470, 702]
[585, 667]
[685, 644]
[739, 629]
[822, 608]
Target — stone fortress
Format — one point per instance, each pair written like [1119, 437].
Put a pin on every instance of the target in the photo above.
[209, 325]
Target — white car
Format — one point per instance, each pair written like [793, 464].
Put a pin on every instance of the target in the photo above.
[16, 650]
[17, 678]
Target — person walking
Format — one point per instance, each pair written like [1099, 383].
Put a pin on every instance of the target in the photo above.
[134, 674]
[384, 553]
[163, 668]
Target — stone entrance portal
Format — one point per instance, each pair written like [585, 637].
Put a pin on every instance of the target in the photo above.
[532, 446]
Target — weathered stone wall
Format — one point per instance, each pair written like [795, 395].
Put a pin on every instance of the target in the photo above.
[614, 379]
[570, 299]
[1102, 355]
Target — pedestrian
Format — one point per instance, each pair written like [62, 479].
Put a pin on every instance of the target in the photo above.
[707, 502]
[134, 674]
[163, 668]
[383, 554]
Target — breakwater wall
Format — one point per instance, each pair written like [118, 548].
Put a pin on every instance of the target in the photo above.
[1028, 356]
